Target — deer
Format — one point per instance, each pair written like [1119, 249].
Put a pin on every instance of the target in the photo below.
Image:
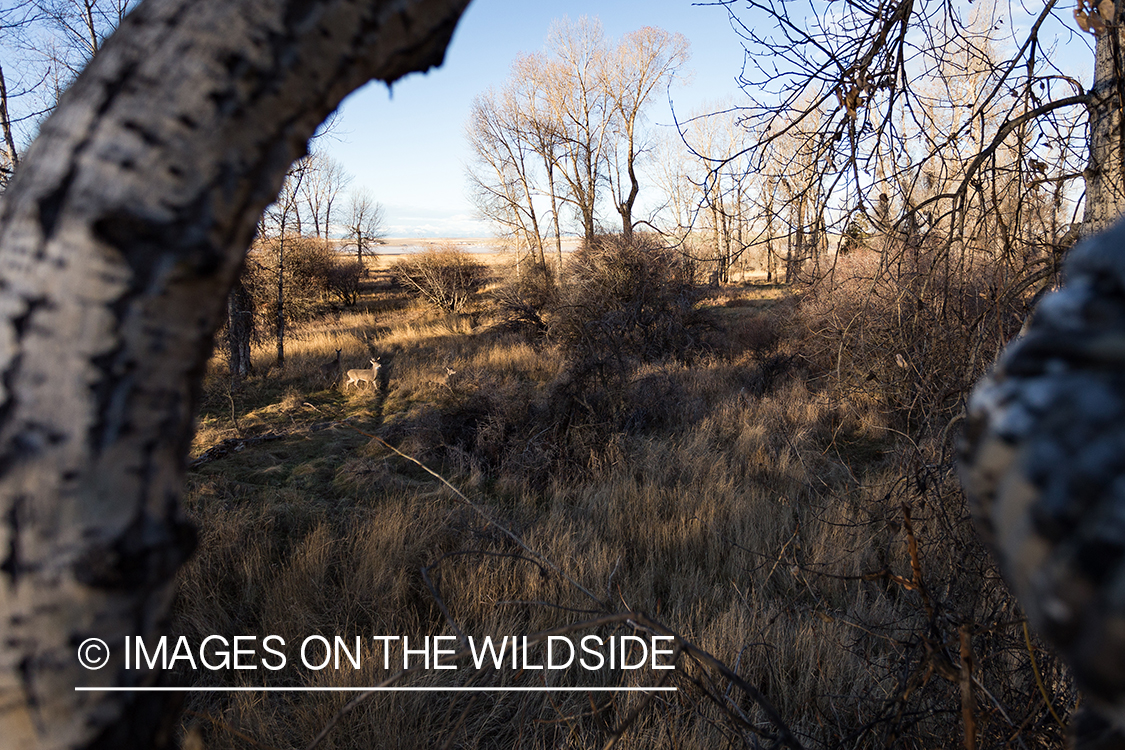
[330, 371]
[365, 376]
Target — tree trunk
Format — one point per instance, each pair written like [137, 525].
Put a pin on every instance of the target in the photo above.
[555, 215]
[279, 323]
[121, 235]
[625, 206]
[240, 324]
[789, 257]
[6, 126]
[799, 250]
[1105, 173]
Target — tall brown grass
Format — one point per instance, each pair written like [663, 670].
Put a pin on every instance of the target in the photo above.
[751, 498]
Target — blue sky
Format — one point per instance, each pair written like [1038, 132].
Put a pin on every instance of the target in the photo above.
[407, 146]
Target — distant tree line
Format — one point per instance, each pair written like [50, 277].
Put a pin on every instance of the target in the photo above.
[849, 135]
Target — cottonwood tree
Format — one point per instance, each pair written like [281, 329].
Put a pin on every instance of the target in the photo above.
[568, 127]
[45, 43]
[545, 137]
[121, 235]
[281, 229]
[717, 210]
[82, 25]
[1105, 172]
[917, 97]
[14, 20]
[581, 110]
[503, 177]
[9, 157]
[643, 61]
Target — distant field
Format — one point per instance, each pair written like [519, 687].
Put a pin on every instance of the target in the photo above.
[404, 245]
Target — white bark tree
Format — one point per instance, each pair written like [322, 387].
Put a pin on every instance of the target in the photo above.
[580, 106]
[1105, 171]
[503, 175]
[121, 235]
[568, 127]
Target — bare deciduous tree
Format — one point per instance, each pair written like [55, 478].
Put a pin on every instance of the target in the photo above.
[644, 61]
[503, 177]
[284, 218]
[568, 127]
[45, 43]
[365, 223]
[323, 180]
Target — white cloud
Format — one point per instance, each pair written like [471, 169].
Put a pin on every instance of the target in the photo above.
[417, 221]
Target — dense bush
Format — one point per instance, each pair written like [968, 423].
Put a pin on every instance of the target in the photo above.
[446, 277]
[912, 333]
[308, 262]
[628, 300]
[343, 280]
[525, 300]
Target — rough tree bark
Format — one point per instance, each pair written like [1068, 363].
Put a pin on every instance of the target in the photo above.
[120, 236]
[240, 324]
[13, 157]
[1105, 173]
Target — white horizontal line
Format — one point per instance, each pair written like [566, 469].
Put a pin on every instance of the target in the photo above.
[374, 689]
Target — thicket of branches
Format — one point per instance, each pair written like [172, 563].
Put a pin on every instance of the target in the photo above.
[43, 46]
[917, 172]
[445, 277]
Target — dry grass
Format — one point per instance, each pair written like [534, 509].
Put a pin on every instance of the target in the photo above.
[732, 498]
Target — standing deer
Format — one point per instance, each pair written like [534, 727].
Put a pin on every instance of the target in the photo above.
[367, 376]
[330, 371]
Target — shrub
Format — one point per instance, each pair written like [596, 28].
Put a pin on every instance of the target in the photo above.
[628, 299]
[343, 280]
[446, 278]
[913, 335]
[524, 302]
[308, 262]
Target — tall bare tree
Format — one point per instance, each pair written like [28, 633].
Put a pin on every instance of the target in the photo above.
[1105, 170]
[568, 127]
[531, 75]
[10, 156]
[365, 223]
[582, 110]
[901, 109]
[637, 68]
[284, 219]
[120, 238]
[323, 180]
[44, 43]
[82, 25]
[503, 176]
